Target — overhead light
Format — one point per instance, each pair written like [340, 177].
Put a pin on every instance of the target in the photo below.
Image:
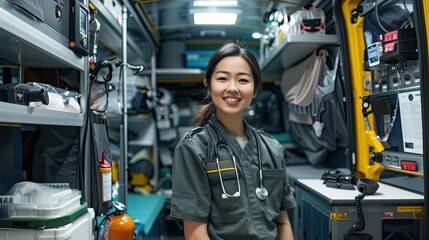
[207, 3]
[215, 18]
[212, 33]
[256, 35]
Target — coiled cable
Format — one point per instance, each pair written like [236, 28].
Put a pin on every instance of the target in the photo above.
[360, 224]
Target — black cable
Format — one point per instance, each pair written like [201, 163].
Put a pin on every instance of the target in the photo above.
[405, 6]
[360, 224]
[106, 79]
[87, 116]
[378, 17]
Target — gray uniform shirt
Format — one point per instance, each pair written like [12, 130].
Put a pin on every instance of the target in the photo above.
[197, 192]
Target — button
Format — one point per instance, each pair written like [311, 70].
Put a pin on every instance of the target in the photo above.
[417, 75]
[407, 77]
[84, 43]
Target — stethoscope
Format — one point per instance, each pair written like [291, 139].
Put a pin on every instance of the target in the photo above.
[261, 191]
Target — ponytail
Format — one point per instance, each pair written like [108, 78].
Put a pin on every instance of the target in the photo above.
[204, 114]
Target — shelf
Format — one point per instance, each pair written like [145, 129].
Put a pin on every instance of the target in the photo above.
[20, 114]
[293, 49]
[143, 127]
[177, 75]
[111, 35]
[136, 122]
[175, 71]
[30, 43]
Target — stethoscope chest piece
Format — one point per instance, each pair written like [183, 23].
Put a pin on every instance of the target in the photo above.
[261, 192]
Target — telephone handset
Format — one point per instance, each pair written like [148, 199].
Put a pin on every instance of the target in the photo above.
[367, 186]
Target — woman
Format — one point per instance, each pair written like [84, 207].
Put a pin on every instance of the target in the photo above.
[218, 190]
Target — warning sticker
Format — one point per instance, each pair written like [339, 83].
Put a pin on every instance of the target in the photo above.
[403, 209]
[418, 215]
[338, 216]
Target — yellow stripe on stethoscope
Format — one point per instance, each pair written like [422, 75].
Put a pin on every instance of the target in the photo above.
[222, 169]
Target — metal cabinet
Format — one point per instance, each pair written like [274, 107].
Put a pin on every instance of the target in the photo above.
[328, 213]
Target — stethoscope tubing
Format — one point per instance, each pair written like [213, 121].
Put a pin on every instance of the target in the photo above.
[262, 191]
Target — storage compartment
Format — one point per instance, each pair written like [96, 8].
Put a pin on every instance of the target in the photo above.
[307, 21]
[79, 229]
[33, 200]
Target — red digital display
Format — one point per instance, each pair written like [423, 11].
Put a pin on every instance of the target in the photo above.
[409, 165]
[391, 36]
[389, 47]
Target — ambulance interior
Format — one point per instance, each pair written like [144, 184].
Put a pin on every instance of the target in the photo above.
[337, 94]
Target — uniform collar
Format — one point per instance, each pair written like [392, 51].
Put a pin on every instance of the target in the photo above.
[228, 137]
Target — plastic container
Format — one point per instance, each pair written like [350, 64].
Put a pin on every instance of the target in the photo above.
[307, 22]
[37, 223]
[34, 200]
[79, 229]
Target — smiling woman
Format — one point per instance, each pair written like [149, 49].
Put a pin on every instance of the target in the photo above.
[224, 154]
[231, 87]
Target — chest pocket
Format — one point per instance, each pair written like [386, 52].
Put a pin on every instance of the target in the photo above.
[274, 182]
[229, 209]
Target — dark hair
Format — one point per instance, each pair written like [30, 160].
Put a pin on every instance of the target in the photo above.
[229, 49]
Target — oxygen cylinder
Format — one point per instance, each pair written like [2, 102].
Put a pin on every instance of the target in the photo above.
[106, 180]
[119, 225]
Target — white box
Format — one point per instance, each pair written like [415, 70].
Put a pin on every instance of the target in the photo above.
[80, 229]
[34, 200]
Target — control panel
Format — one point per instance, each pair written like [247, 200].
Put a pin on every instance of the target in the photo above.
[367, 5]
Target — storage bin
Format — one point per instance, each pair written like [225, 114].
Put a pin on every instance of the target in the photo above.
[34, 200]
[79, 229]
[36, 223]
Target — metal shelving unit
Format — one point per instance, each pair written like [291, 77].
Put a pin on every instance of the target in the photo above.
[140, 41]
[23, 44]
[26, 42]
[293, 49]
[26, 45]
[134, 42]
[111, 36]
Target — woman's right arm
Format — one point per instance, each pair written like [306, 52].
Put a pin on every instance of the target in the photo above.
[191, 193]
[195, 230]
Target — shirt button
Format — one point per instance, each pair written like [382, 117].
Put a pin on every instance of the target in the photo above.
[246, 167]
[261, 231]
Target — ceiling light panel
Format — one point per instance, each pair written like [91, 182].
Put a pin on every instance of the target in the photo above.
[208, 3]
[215, 18]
